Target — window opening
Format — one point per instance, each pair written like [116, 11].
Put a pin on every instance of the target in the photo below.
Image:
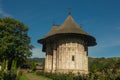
[73, 58]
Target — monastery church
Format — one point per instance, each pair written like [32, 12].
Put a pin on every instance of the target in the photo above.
[66, 48]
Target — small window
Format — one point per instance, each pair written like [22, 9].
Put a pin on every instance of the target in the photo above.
[73, 58]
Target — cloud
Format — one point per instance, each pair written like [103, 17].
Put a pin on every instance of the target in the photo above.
[2, 12]
[37, 52]
[105, 46]
[113, 42]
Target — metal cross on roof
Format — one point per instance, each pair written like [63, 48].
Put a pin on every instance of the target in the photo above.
[69, 10]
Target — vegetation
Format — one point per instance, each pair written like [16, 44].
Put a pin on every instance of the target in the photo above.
[99, 69]
[12, 74]
[38, 60]
[14, 42]
[15, 48]
[40, 76]
[23, 77]
[31, 63]
[100, 65]
[70, 76]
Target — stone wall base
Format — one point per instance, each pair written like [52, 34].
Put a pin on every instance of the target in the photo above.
[47, 70]
[74, 71]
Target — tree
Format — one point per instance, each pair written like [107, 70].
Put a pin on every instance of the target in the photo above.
[14, 41]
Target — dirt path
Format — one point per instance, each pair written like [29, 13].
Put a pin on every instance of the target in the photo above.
[32, 76]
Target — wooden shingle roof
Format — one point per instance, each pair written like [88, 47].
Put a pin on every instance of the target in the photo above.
[68, 27]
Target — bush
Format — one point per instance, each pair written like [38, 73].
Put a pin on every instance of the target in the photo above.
[60, 76]
[12, 74]
[70, 76]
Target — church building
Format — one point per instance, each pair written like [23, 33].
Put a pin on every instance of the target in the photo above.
[66, 48]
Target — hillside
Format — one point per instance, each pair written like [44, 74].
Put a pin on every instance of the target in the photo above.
[100, 64]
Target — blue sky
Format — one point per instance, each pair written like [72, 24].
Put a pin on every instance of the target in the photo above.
[100, 18]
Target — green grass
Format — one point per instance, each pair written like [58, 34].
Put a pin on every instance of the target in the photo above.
[42, 77]
[23, 77]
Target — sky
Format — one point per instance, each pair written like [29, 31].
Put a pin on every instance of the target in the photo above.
[100, 18]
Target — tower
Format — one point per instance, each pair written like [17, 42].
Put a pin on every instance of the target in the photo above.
[66, 48]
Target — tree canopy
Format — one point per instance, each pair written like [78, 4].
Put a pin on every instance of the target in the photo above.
[14, 41]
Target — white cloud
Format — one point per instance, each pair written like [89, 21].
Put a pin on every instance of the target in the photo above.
[102, 46]
[37, 52]
[113, 42]
[2, 12]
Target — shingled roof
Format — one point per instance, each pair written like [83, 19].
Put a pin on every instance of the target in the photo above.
[68, 27]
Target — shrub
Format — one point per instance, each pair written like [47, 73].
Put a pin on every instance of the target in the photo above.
[70, 76]
[12, 74]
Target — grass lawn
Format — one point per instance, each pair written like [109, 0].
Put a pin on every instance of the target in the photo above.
[41, 77]
[32, 76]
[23, 77]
